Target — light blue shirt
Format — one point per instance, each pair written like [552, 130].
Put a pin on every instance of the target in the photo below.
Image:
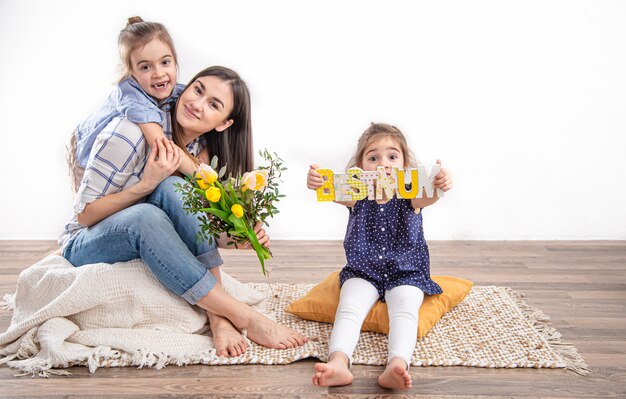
[128, 100]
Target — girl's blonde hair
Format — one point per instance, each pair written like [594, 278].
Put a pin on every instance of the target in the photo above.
[138, 33]
[377, 131]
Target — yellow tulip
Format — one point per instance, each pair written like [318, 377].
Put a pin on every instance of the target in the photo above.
[208, 175]
[237, 210]
[261, 179]
[213, 194]
[201, 184]
[255, 180]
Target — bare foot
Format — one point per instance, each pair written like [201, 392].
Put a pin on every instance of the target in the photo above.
[270, 334]
[395, 376]
[227, 339]
[260, 328]
[332, 374]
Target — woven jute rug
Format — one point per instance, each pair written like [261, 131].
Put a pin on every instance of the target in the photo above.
[492, 327]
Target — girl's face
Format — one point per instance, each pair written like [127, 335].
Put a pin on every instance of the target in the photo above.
[385, 152]
[154, 68]
[205, 105]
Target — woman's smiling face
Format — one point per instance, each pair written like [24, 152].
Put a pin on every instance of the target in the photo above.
[205, 105]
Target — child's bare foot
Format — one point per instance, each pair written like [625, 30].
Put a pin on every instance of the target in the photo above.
[395, 376]
[334, 373]
[270, 334]
[227, 339]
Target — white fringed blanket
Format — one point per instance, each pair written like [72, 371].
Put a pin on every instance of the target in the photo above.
[65, 315]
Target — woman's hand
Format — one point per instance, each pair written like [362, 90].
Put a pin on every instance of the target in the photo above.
[164, 159]
[314, 180]
[443, 179]
[261, 236]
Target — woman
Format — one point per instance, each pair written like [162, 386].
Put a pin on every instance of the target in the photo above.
[126, 207]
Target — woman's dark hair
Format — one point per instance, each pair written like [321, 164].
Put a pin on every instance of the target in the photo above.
[232, 146]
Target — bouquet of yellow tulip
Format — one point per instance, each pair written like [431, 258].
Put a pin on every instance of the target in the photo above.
[233, 206]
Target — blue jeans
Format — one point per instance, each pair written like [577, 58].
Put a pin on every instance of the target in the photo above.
[160, 233]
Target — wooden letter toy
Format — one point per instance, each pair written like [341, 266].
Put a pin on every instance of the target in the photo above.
[356, 184]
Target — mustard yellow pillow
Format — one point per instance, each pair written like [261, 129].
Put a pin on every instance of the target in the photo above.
[320, 304]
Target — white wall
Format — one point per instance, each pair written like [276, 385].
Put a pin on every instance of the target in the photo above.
[524, 101]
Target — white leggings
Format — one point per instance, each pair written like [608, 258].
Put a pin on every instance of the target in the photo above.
[357, 298]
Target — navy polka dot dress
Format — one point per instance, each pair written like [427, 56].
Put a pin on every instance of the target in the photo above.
[385, 245]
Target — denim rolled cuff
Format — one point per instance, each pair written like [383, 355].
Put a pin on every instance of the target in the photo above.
[200, 289]
[211, 259]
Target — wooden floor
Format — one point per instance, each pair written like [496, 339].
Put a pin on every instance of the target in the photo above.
[582, 285]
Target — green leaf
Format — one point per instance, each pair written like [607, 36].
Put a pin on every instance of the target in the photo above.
[224, 200]
[214, 162]
[261, 252]
[222, 172]
[217, 212]
[232, 195]
[237, 223]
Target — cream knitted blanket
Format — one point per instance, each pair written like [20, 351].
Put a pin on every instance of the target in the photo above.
[65, 315]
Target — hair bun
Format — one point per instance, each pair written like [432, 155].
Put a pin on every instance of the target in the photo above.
[134, 20]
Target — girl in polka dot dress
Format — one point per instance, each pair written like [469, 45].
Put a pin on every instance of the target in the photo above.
[387, 260]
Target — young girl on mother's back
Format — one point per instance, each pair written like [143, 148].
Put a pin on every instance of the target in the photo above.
[146, 90]
[387, 260]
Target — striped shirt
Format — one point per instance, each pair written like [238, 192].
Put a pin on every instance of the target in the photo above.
[116, 163]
